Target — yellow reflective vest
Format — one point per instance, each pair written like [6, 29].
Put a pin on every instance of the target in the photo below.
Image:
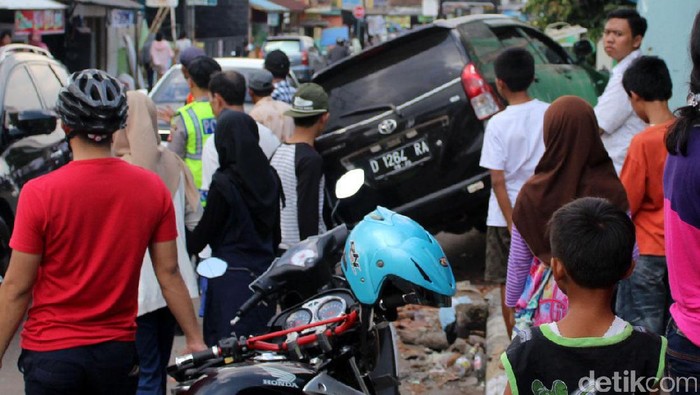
[200, 124]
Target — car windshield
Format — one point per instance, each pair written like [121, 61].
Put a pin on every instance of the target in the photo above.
[381, 81]
[286, 46]
[175, 89]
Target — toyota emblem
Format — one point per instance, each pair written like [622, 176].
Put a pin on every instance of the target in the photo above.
[387, 126]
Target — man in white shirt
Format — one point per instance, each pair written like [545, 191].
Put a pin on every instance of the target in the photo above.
[618, 122]
[227, 91]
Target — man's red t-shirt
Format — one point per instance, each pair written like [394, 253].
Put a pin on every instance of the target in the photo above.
[91, 221]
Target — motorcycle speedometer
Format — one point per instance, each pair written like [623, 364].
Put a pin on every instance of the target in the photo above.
[331, 309]
[298, 318]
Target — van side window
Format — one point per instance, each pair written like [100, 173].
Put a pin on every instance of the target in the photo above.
[482, 45]
[551, 53]
[511, 37]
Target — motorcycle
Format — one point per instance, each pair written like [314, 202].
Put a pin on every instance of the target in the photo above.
[326, 340]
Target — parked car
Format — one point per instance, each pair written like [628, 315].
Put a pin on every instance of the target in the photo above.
[305, 57]
[31, 143]
[172, 89]
[411, 112]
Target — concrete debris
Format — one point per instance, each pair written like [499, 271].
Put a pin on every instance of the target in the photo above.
[428, 362]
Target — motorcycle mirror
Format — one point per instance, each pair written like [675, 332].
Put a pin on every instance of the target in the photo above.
[212, 268]
[349, 183]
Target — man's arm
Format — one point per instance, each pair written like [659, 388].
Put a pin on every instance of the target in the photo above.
[178, 136]
[165, 265]
[15, 293]
[613, 107]
[498, 183]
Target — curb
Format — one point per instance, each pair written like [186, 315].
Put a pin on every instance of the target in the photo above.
[496, 342]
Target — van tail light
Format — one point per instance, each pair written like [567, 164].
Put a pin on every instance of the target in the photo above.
[305, 58]
[483, 100]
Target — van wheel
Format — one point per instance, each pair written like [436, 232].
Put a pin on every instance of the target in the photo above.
[5, 250]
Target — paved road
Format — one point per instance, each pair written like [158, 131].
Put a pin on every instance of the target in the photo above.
[465, 252]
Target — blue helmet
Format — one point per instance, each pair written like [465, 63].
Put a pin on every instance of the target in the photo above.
[387, 252]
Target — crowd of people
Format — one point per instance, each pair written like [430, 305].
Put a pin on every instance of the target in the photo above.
[592, 225]
[235, 186]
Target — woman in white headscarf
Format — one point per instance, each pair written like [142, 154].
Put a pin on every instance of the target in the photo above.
[139, 144]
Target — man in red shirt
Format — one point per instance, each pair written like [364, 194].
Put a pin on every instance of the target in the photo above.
[78, 244]
[643, 298]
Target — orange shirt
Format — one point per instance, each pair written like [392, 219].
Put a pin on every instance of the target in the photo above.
[642, 176]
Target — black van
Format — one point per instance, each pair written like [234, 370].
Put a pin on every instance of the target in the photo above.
[411, 112]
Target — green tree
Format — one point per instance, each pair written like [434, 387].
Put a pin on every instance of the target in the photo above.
[590, 14]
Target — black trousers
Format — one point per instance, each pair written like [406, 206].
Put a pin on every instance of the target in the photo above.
[109, 368]
[225, 295]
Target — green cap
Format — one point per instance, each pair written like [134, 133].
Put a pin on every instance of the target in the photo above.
[309, 100]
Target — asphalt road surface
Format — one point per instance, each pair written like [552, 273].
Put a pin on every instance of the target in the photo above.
[465, 253]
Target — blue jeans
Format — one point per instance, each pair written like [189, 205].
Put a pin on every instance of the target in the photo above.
[109, 368]
[643, 299]
[682, 362]
[154, 340]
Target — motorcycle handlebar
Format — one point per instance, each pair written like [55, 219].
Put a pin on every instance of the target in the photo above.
[258, 343]
[194, 359]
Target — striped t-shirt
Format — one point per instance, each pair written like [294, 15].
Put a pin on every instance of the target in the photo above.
[300, 169]
[682, 227]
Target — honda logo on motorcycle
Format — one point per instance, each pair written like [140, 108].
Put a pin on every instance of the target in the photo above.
[387, 126]
[281, 378]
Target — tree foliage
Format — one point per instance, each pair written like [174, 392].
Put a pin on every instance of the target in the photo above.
[590, 14]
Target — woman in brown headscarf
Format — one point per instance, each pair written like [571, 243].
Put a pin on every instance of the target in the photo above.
[139, 144]
[575, 164]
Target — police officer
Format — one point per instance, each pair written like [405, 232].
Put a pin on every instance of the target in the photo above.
[194, 123]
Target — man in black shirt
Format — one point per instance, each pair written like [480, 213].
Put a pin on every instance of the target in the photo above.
[300, 167]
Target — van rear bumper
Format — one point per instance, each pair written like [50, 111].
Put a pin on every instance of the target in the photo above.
[455, 208]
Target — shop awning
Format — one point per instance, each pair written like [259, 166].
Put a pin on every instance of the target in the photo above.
[31, 5]
[125, 4]
[267, 6]
[293, 5]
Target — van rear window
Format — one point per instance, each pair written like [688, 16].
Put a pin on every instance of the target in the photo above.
[393, 76]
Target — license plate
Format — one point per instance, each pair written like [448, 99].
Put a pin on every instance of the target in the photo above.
[400, 159]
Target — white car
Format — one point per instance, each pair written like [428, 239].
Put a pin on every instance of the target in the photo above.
[172, 90]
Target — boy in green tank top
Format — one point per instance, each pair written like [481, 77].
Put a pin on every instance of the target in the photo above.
[590, 350]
